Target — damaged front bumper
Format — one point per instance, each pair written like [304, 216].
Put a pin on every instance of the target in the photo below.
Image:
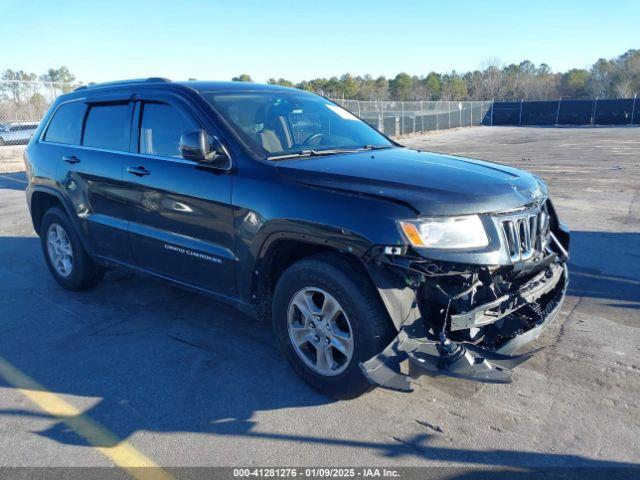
[523, 314]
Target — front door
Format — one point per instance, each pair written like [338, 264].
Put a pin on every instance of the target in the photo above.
[180, 216]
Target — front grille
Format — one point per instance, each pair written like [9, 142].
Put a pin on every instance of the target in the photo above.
[526, 233]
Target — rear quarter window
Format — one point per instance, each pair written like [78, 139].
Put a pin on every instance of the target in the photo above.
[108, 127]
[66, 124]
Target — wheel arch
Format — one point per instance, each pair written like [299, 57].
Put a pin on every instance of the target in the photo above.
[41, 199]
[282, 249]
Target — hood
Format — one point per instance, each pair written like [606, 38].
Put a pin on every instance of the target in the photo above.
[431, 183]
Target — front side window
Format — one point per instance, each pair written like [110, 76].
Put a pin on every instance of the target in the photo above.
[66, 124]
[161, 127]
[108, 127]
[280, 123]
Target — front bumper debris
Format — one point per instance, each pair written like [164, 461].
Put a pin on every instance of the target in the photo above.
[491, 312]
[465, 359]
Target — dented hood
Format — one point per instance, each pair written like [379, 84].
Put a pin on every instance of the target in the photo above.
[431, 183]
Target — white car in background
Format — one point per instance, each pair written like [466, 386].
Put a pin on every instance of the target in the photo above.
[15, 133]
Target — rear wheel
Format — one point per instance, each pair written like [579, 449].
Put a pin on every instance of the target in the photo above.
[327, 319]
[66, 258]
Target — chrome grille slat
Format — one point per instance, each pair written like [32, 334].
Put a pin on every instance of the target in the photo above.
[512, 236]
[533, 228]
[524, 226]
[525, 233]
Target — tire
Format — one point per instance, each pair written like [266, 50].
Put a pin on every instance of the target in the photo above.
[81, 271]
[1, 141]
[370, 327]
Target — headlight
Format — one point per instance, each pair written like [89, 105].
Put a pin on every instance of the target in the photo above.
[446, 232]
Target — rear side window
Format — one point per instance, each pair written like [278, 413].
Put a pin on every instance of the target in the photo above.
[108, 126]
[161, 127]
[66, 124]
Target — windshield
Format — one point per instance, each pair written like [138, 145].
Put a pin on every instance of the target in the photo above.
[282, 124]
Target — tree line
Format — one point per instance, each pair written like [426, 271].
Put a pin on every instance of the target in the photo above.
[614, 78]
[21, 86]
[22, 96]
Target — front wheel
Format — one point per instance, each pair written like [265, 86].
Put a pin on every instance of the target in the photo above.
[328, 318]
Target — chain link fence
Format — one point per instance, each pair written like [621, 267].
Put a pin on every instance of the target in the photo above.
[22, 105]
[395, 118]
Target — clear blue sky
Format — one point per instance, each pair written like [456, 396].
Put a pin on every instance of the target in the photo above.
[298, 40]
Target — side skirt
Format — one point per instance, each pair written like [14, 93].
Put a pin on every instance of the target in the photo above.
[246, 308]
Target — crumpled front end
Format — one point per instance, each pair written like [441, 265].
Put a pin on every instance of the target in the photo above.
[469, 321]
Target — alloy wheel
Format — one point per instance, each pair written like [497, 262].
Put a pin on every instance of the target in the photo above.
[60, 250]
[320, 331]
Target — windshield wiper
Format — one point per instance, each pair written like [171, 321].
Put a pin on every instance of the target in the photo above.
[312, 153]
[376, 147]
[329, 151]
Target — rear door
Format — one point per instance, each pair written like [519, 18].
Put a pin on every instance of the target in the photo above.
[180, 216]
[89, 141]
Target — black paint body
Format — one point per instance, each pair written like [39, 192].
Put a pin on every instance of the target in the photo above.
[211, 229]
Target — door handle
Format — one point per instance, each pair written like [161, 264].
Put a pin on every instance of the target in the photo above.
[138, 171]
[71, 159]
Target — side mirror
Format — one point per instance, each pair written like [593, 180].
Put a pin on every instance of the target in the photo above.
[200, 147]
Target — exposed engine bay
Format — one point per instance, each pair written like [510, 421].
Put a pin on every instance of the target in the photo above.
[469, 321]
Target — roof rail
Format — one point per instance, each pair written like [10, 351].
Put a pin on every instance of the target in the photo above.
[125, 82]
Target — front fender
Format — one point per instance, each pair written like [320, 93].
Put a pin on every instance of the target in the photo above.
[269, 208]
[316, 236]
[395, 292]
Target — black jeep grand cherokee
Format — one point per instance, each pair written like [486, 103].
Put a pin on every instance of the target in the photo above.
[361, 252]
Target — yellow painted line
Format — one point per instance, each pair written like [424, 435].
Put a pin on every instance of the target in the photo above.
[121, 453]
